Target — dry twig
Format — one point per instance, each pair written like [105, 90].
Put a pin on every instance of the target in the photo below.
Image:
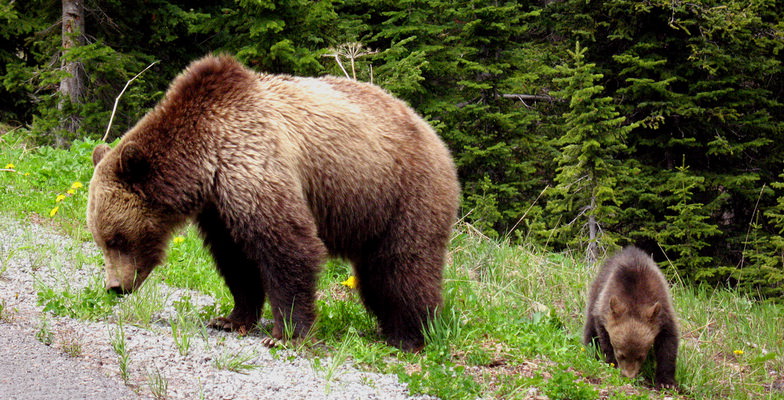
[117, 100]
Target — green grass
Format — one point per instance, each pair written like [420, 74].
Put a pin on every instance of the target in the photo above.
[511, 321]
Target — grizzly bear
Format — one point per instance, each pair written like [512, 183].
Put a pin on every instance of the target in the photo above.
[630, 312]
[278, 173]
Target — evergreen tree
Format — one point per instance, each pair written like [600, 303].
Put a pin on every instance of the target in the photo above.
[275, 36]
[686, 228]
[762, 269]
[590, 161]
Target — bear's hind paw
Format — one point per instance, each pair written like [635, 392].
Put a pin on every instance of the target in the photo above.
[270, 342]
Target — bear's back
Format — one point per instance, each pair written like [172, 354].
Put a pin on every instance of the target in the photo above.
[358, 153]
[634, 278]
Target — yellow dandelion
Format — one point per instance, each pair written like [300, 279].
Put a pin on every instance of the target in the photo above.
[54, 211]
[76, 185]
[59, 198]
[350, 282]
[70, 191]
[10, 166]
[26, 174]
[178, 239]
[612, 365]
[738, 352]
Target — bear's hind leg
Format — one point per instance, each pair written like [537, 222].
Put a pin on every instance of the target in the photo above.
[404, 292]
[242, 276]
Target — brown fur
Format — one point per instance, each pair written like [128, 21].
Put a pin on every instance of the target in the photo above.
[279, 172]
[630, 312]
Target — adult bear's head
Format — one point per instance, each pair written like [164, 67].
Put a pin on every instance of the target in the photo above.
[131, 230]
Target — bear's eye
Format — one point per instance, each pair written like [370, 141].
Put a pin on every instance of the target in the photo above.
[117, 242]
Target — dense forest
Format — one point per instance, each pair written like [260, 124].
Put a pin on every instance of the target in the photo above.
[575, 124]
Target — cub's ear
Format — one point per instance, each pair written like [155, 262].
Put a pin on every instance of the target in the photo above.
[134, 164]
[616, 306]
[653, 312]
[99, 152]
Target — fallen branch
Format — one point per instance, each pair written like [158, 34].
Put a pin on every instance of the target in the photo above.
[117, 100]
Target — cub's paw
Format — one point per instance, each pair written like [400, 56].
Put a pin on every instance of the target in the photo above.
[667, 386]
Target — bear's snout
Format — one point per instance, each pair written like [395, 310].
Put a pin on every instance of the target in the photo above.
[118, 290]
[114, 286]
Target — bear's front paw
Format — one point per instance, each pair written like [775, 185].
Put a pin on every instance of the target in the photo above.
[229, 325]
[667, 385]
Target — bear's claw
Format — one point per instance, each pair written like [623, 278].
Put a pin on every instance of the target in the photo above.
[228, 325]
[270, 342]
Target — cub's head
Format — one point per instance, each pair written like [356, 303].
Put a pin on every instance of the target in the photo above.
[632, 334]
[131, 230]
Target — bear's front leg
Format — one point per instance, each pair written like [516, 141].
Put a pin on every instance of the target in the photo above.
[589, 331]
[666, 349]
[606, 345]
[242, 275]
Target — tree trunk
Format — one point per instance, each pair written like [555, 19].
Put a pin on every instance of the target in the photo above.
[72, 86]
[593, 228]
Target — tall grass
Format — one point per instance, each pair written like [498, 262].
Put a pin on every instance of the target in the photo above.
[510, 327]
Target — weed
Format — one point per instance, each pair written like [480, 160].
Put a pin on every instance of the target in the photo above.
[142, 306]
[443, 332]
[158, 384]
[184, 325]
[239, 362]
[117, 338]
[71, 343]
[4, 266]
[44, 333]
[338, 359]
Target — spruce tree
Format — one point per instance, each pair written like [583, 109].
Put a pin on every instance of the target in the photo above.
[591, 158]
[685, 232]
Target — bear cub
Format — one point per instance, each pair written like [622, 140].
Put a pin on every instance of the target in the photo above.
[630, 312]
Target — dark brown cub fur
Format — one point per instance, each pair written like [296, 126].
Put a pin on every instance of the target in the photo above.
[630, 312]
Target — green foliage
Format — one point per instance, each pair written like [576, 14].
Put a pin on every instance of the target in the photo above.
[684, 232]
[91, 302]
[565, 386]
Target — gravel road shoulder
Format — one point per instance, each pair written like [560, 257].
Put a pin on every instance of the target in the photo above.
[31, 253]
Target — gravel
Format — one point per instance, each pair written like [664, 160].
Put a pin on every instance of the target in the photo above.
[81, 359]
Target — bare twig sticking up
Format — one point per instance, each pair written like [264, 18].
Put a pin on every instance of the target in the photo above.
[117, 100]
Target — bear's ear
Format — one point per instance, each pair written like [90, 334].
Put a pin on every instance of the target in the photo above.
[99, 152]
[134, 165]
[617, 307]
[653, 312]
